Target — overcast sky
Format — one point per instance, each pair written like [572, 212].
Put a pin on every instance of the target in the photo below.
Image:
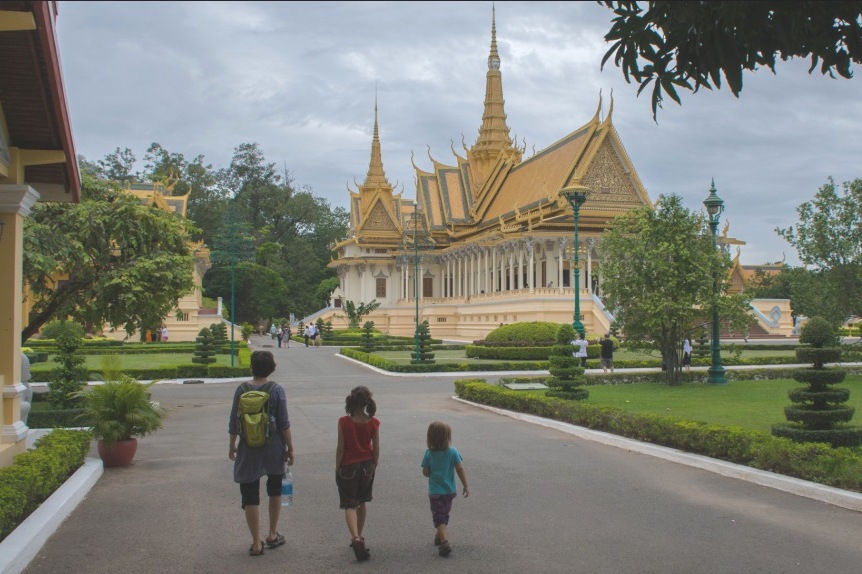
[300, 79]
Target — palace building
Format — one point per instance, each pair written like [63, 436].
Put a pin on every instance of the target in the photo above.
[489, 238]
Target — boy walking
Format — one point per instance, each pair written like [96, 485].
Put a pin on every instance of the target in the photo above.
[440, 463]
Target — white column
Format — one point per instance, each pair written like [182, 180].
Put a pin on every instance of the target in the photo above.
[589, 272]
[531, 269]
[561, 253]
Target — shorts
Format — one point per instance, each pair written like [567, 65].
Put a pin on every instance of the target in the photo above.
[250, 491]
[607, 363]
[355, 483]
[441, 506]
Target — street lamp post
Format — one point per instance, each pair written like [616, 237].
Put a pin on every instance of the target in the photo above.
[416, 214]
[576, 195]
[714, 208]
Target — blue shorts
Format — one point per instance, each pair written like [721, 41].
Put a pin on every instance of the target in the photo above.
[441, 506]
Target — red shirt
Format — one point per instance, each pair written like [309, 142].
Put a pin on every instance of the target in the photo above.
[357, 439]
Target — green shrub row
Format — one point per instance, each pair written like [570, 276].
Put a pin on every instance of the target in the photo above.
[519, 353]
[54, 418]
[816, 462]
[387, 365]
[158, 373]
[34, 475]
[187, 348]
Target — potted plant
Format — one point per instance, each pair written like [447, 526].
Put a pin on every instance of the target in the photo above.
[118, 411]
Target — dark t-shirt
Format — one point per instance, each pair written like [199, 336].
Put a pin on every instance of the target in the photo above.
[607, 349]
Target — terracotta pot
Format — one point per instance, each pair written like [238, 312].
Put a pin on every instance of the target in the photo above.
[119, 453]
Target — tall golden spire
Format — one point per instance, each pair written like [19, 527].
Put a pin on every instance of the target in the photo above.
[493, 140]
[375, 179]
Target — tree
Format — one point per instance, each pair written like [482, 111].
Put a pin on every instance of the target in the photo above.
[260, 292]
[205, 348]
[70, 375]
[356, 313]
[567, 375]
[818, 412]
[108, 259]
[828, 236]
[692, 45]
[658, 269]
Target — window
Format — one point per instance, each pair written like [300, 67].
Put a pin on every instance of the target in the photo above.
[381, 287]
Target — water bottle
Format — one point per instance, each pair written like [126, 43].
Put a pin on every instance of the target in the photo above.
[287, 487]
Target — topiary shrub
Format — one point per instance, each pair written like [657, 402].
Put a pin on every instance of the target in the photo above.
[205, 348]
[425, 355]
[368, 337]
[219, 331]
[535, 331]
[71, 374]
[818, 412]
[567, 376]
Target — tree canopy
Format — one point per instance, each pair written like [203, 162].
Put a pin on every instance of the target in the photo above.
[658, 271]
[108, 259]
[828, 236]
[692, 45]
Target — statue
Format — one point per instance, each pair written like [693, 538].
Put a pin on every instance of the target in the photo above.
[27, 395]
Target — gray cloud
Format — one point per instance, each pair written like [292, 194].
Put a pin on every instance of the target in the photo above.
[301, 78]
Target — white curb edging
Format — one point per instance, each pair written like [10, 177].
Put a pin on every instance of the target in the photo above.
[828, 494]
[25, 542]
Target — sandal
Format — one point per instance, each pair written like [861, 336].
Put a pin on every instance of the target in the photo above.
[445, 549]
[359, 550]
[279, 540]
[253, 552]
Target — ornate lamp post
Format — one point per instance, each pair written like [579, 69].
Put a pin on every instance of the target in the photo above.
[233, 244]
[576, 195]
[417, 239]
[714, 208]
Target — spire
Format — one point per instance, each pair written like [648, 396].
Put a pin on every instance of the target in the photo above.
[493, 140]
[376, 178]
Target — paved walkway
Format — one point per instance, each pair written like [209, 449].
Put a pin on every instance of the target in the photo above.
[542, 499]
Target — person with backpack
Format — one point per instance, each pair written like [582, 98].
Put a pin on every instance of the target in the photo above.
[260, 445]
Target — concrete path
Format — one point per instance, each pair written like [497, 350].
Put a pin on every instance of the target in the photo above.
[541, 499]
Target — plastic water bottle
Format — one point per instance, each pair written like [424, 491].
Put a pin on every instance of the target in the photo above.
[287, 487]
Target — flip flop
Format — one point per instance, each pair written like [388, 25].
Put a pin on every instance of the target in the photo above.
[279, 540]
[253, 552]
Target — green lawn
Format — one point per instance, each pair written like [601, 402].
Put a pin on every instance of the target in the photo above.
[140, 361]
[753, 405]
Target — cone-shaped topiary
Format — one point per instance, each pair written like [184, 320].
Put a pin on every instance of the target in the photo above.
[567, 376]
[818, 413]
[205, 348]
[425, 356]
[219, 331]
[368, 337]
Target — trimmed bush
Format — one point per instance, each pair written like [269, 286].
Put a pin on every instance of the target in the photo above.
[567, 376]
[526, 331]
[424, 356]
[56, 329]
[34, 475]
[818, 413]
[205, 348]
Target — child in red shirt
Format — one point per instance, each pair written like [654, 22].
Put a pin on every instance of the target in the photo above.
[356, 458]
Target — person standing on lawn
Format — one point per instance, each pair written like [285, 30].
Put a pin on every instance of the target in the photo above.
[439, 465]
[357, 455]
[581, 349]
[607, 353]
[251, 463]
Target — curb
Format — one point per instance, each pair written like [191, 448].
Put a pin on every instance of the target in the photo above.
[828, 494]
[25, 542]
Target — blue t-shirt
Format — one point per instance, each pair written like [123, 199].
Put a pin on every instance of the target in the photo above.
[442, 464]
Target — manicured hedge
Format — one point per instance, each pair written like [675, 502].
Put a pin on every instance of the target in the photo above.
[387, 365]
[816, 462]
[37, 473]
